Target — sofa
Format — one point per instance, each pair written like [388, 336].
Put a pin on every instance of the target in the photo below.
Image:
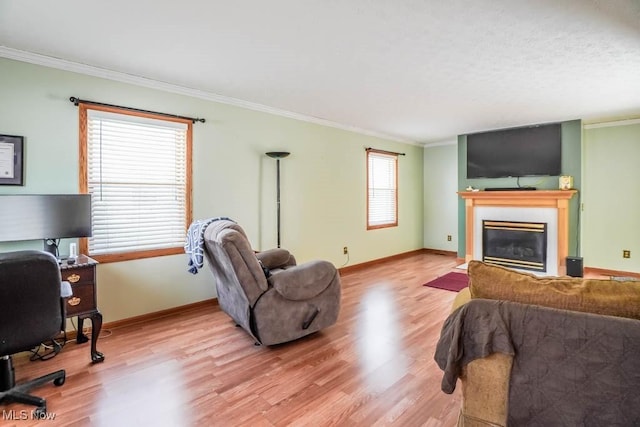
[545, 351]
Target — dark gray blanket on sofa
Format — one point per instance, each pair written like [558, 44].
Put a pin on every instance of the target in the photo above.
[569, 369]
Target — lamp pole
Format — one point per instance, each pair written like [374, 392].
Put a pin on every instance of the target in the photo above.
[278, 155]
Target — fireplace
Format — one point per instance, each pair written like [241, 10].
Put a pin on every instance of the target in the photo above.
[543, 206]
[515, 244]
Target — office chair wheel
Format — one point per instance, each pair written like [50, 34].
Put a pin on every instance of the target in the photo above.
[40, 412]
[59, 381]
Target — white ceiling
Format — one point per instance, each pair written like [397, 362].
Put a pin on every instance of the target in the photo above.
[413, 70]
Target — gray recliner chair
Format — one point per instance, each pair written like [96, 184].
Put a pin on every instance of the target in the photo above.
[266, 293]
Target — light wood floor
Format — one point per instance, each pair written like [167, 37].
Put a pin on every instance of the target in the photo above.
[374, 367]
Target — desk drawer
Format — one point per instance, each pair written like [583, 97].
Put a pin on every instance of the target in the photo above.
[82, 300]
[78, 276]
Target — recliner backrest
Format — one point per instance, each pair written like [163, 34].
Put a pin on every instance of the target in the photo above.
[233, 260]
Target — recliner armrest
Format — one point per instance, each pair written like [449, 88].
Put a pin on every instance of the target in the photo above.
[276, 258]
[304, 281]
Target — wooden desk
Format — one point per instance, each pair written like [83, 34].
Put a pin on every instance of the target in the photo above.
[83, 303]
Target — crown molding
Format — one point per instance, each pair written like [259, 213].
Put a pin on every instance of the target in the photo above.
[440, 143]
[612, 123]
[75, 67]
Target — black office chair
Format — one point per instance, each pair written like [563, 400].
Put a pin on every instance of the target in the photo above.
[31, 312]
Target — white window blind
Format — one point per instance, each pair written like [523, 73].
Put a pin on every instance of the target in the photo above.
[137, 178]
[382, 190]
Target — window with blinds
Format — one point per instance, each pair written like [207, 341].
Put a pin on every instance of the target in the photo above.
[382, 190]
[137, 169]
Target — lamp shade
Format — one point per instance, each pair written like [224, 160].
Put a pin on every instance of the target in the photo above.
[278, 154]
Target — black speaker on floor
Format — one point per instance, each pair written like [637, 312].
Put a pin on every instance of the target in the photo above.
[574, 266]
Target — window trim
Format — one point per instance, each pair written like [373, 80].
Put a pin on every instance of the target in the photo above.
[84, 180]
[395, 156]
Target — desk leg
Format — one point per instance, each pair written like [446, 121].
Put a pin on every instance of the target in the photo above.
[81, 338]
[96, 326]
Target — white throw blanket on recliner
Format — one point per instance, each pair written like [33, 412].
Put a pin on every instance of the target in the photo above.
[194, 245]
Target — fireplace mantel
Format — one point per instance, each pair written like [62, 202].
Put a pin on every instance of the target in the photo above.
[558, 199]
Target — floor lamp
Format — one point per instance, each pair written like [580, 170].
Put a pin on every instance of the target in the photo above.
[278, 155]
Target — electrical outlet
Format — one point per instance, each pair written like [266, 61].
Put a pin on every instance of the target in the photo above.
[448, 237]
[626, 253]
[345, 250]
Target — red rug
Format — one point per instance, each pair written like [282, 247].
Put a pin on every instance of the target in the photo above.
[454, 282]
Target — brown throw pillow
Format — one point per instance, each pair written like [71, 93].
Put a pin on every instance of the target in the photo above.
[609, 297]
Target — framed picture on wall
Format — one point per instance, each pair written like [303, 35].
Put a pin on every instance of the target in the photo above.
[11, 160]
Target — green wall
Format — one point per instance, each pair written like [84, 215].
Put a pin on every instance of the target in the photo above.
[440, 198]
[571, 165]
[611, 215]
[323, 181]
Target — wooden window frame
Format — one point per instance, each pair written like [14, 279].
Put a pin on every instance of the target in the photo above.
[391, 224]
[84, 180]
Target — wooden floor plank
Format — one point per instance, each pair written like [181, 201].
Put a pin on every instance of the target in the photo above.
[374, 367]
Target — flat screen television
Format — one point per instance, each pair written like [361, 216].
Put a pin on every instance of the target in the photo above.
[516, 152]
[44, 216]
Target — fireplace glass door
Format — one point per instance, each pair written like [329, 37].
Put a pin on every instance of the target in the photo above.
[521, 245]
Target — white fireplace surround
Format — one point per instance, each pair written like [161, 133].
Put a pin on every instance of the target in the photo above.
[550, 206]
[542, 215]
